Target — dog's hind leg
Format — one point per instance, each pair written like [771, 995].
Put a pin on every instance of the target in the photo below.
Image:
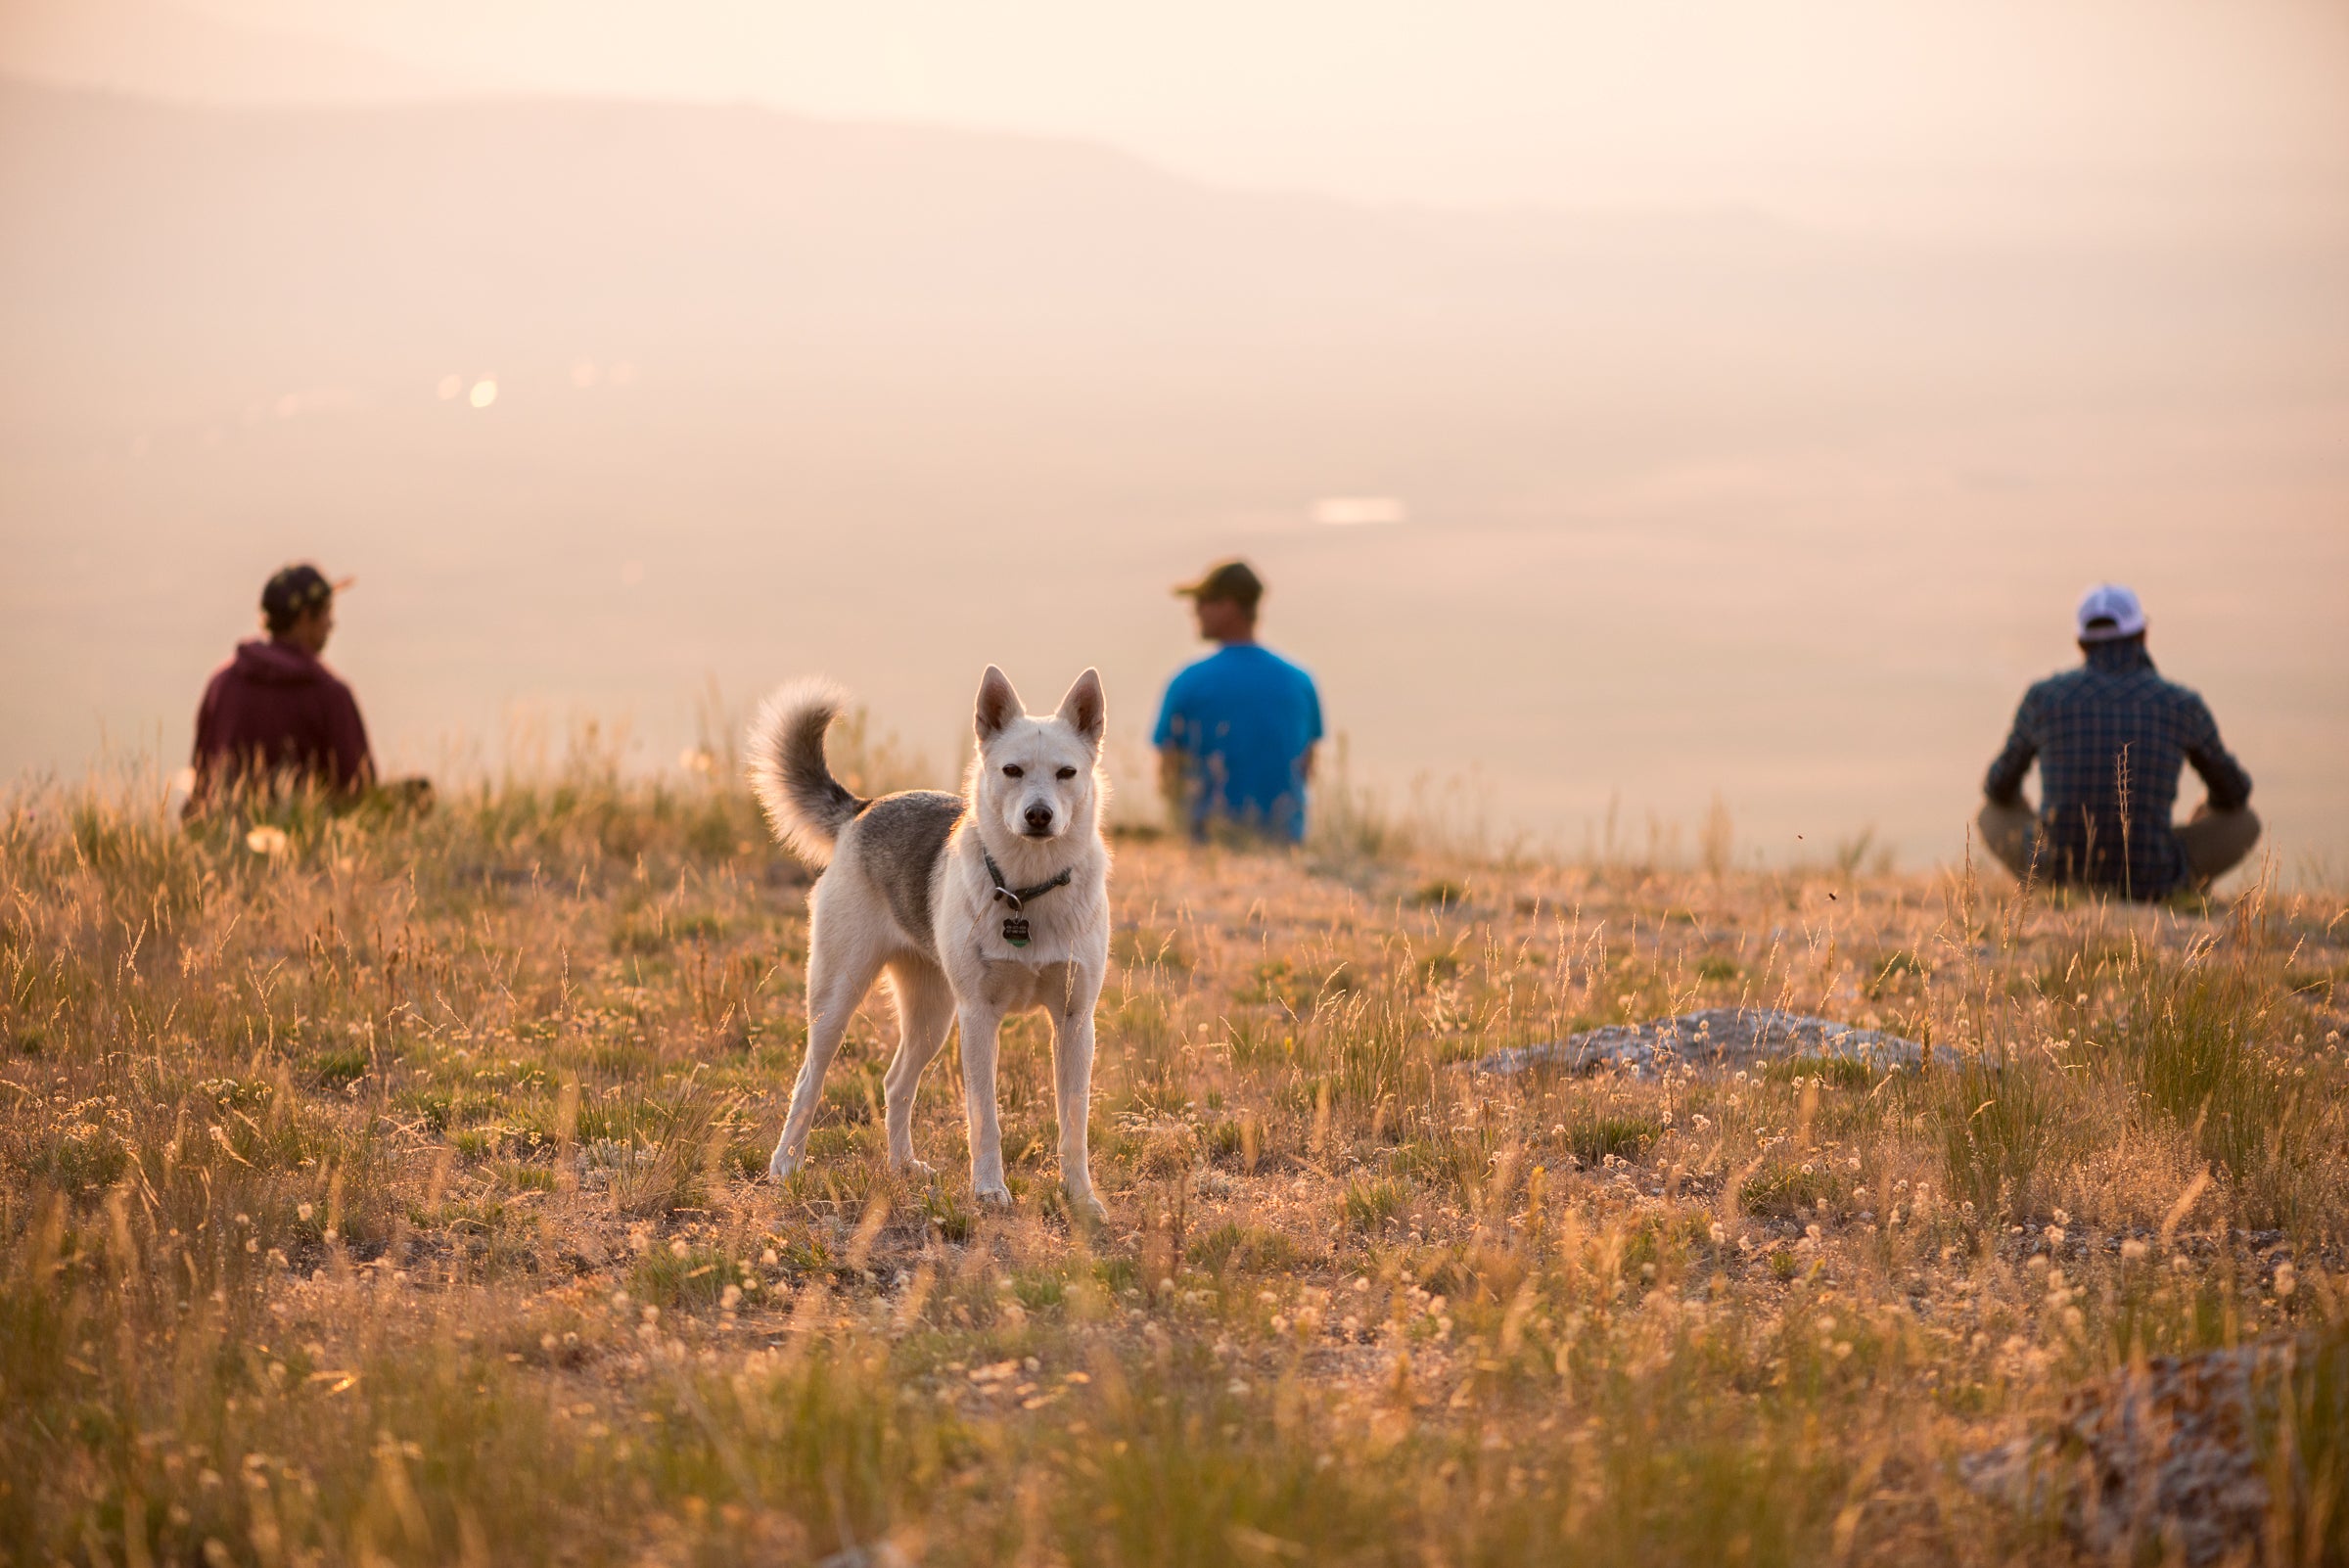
[842, 965]
[924, 1012]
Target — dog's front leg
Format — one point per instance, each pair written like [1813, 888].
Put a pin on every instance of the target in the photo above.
[1073, 1092]
[979, 1026]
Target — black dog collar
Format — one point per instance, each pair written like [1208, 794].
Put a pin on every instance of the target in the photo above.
[1015, 924]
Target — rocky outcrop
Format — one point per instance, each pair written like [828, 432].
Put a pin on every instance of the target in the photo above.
[1716, 1038]
[2160, 1457]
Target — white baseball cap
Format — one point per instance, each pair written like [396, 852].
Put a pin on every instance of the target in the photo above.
[2114, 606]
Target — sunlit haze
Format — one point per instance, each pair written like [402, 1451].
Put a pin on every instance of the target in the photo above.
[1629, 406]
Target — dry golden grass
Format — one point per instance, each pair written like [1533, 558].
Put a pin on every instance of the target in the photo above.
[386, 1194]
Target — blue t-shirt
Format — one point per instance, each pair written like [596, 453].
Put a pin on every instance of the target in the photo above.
[1247, 716]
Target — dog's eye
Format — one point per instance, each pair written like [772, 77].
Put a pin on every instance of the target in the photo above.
[1067, 773]
[1013, 770]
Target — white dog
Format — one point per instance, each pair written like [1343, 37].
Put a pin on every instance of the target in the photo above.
[991, 901]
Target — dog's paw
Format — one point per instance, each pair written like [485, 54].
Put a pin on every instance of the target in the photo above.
[994, 1197]
[783, 1165]
[1086, 1209]
[913, 1169]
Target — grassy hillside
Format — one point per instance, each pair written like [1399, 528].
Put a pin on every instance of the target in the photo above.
[387, 1192]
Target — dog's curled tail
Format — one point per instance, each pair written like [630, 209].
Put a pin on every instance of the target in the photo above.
[805, 805]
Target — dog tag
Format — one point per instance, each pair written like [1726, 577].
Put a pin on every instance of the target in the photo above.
[1015, 930]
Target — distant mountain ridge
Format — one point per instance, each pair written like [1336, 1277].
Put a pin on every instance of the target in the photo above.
[160, 261]
[295, 244]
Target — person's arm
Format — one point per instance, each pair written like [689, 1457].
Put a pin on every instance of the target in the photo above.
[2229, 784]
[1174, 759]
[1313, 731]
[347, 741]
[1175, 780]
[200, 755]
[2004, 781]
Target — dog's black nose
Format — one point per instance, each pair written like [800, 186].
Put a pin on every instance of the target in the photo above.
[1040, 817]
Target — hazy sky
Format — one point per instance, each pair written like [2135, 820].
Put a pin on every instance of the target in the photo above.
[1787, 509]
[1476, 100]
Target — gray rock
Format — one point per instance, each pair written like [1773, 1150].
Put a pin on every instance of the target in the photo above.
[879, 1554]
[2157, 1456]
[2163, 1455]
[1717, 1038]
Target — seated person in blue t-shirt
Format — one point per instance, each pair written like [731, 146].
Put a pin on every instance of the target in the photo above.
[1236, 732]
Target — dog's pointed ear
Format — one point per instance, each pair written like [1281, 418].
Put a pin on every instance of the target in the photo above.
[1083, 709]
[998, 704]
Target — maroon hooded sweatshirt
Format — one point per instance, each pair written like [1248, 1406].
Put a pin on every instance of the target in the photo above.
[275, 709]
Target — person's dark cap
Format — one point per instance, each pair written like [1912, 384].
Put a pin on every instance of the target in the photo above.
[297, 588]
[1235, 581]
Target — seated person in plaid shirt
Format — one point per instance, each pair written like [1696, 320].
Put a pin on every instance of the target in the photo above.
[2110, 737]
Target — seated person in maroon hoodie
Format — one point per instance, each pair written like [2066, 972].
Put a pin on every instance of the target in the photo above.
[273, 715]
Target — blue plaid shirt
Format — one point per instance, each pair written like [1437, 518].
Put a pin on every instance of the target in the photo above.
[2110, 737]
